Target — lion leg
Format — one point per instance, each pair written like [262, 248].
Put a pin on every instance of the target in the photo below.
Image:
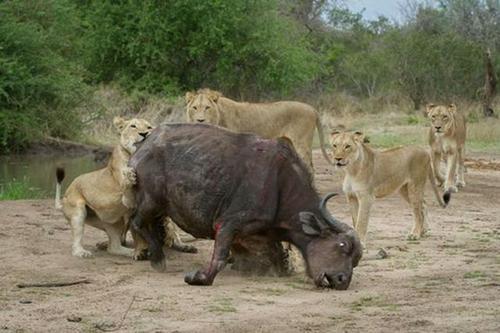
[365, 203]
[114, 232]
[354, 204]
[173, 240]
[140, 246]
[77, 222]
[436, 161]
[461, 168]
[416, 199]
[451, 166]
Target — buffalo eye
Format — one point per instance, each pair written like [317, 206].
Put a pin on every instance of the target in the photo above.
[133, 126]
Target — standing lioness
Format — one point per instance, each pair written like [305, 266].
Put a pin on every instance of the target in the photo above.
[103, 198]
[293, 120]
[371, 174]
[447, 137]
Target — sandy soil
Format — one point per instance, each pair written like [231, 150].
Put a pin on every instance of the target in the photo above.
[447, 282]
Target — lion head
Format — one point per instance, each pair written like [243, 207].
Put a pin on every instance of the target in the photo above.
[201, 107]
[132, 132]
[345, 147]
[442, 117]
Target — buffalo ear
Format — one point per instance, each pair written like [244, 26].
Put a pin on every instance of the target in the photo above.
[119, 123]
[311, 225]
[189, 97]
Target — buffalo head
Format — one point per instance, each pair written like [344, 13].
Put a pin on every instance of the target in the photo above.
[333, 249]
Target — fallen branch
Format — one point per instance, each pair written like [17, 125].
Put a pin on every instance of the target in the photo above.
[52, 284]
[104, 329]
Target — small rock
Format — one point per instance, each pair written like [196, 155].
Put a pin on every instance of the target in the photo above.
[74, 319]
[25, 301]
[382, 254]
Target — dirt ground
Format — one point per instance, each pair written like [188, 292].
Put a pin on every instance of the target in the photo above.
[446, 282]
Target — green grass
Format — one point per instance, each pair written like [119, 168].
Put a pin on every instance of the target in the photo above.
[474, 275]
[222, 305]
[19, 189]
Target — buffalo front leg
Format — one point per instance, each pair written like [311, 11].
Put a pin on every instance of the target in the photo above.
[224, 235]
[150, 228]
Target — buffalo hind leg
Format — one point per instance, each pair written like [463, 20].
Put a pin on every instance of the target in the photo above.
[224, 236]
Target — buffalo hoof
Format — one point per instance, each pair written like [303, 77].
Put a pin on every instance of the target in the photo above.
[197, 279]
[159, 266]
[185, 248]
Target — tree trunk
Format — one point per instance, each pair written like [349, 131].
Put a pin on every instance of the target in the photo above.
[489, 86]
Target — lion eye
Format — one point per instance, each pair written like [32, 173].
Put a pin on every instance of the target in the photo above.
[334, 146]
[206, 108]
[133, 126]
[433, 117]
[342, 244]
[194, 107]
[149, 127]
[445, 118]
[347, 146]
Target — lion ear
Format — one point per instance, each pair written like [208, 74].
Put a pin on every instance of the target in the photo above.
[119, 123]
[452, 107]
[334, 133]
[358, 136]
[214, 96]
[429, 107]
[189, 97]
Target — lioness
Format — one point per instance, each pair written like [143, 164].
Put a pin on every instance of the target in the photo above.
[371, 174]
[104, 198]
[293, 120]
[447, 136]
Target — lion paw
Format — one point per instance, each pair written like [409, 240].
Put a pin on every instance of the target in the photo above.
[140, 255]
[413, 237]
[81, 253]
[460, 183]
[129, 177]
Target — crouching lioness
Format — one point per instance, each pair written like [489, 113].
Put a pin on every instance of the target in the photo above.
[104, 198]
[371, 174]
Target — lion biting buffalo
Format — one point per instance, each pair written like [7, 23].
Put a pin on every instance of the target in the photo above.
[231, 187]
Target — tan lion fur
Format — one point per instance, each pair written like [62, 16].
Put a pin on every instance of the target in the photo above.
[104, 198]
[293, 120]
[447, 137]
[371, 174]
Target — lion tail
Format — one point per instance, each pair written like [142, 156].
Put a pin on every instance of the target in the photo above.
[443, 201]
[60, 177]
[319, 126]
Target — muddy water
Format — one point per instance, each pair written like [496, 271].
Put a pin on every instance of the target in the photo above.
[39, 170]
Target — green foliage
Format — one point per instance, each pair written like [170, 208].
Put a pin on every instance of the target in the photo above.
[18, 190]
[238, 46]
[39, 81]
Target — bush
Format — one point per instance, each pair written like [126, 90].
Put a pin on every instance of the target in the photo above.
[238, 46]
[40, 80]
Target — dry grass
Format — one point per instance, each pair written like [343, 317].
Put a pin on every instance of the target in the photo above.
[387, 120]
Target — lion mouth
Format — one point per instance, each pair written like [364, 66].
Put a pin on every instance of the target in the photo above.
[340, 164]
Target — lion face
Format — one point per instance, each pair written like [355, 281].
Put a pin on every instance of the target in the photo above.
[441, 117]
[132, 132]
[201, 107]
[345, 147]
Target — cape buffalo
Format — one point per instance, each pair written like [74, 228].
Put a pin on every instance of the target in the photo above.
[227, 186]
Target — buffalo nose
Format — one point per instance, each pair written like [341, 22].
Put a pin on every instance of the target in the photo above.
[201, 120]
[340, 278]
